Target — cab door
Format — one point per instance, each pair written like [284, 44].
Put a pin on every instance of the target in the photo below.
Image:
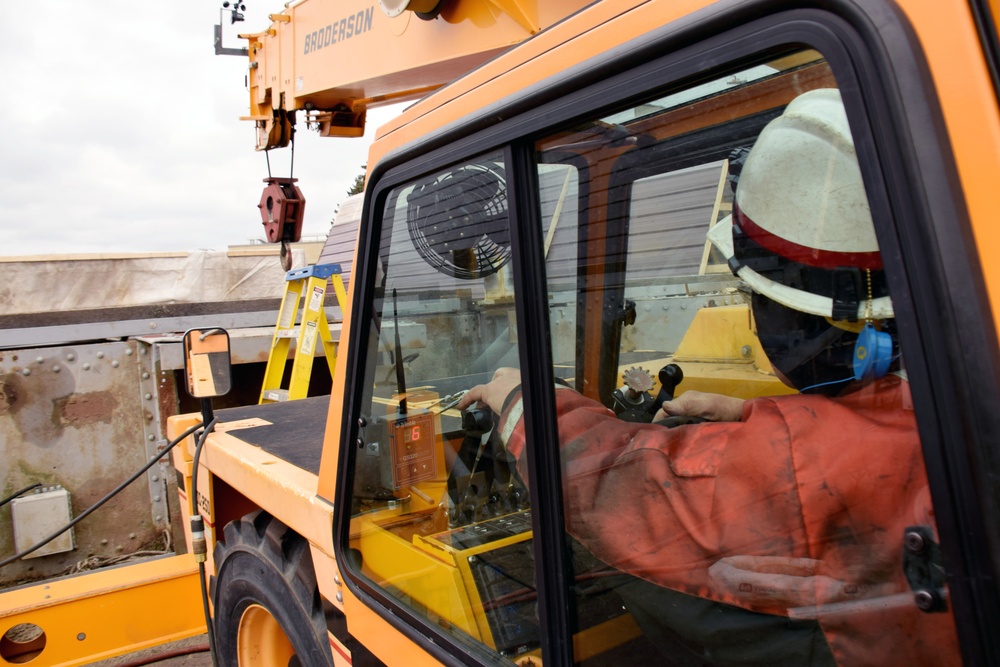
[573, 252]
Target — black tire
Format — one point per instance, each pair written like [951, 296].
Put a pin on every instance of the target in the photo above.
[267, 605]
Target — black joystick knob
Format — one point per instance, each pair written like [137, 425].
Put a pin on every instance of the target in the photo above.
[669, 376]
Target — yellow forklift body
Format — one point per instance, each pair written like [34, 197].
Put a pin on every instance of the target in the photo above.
[105, 613]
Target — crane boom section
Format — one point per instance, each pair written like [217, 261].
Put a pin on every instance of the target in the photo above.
[334, 60]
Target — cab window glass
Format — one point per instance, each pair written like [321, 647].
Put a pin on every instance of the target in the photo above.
[441, 518]
[742, 475]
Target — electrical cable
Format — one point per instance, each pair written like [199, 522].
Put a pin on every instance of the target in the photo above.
[166, 655]
[19, 493]
[209, 627]
[87, 512]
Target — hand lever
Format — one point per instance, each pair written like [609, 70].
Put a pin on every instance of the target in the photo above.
[669, 376]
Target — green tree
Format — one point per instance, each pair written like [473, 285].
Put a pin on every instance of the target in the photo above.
[359, 182]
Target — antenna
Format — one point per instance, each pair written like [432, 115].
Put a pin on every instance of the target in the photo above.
[400, 376]
[235, 16]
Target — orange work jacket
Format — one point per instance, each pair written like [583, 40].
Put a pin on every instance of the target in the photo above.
[798, 510]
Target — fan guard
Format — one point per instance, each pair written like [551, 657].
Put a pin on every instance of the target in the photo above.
[458, 221]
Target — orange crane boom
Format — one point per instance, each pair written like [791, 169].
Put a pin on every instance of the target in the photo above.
[335, 60]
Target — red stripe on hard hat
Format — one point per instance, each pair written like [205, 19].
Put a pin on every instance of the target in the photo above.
[822, 259]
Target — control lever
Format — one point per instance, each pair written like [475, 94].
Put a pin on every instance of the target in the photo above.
[634, 403]
[669, 376]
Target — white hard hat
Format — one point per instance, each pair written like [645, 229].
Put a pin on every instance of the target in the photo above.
[800, 196]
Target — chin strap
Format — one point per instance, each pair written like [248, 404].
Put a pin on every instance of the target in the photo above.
[873, 351]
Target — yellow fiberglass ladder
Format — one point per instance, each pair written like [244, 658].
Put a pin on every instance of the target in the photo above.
[308, 285]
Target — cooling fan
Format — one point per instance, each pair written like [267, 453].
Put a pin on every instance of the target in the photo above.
[458, 221]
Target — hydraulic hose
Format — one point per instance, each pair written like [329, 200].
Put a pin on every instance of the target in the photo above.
[198, 540]
[19, 493]
[87, 512]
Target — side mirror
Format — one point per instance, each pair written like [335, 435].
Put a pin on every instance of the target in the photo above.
[206, 362]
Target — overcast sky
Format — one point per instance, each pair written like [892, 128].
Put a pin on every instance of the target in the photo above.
[121, 131]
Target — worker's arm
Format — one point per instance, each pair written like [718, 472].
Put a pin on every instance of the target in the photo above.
[494, 392]
[713, 407]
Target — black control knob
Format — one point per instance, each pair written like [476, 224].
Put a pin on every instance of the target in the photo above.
[476, 421]
[669, 376]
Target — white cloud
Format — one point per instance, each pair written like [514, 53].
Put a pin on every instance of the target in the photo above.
[122, 132]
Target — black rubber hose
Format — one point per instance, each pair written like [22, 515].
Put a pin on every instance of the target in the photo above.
[87, 512]
[210, 629]
[165, 655]
[19, 493]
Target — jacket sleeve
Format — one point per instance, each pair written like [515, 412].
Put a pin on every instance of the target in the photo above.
[648, 500]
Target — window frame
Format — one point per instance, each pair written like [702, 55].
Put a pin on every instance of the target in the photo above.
[933, 261]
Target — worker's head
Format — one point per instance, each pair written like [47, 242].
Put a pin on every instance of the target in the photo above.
[801, 237]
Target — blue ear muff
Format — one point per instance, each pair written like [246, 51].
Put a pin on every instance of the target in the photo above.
[872, 354]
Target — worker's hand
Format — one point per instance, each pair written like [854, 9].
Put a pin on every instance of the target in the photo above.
[493, 392]
[713, 407]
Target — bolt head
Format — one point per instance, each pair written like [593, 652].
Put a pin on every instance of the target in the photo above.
[914, 542]
[925, 600]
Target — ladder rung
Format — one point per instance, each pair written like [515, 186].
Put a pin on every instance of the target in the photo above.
[314, 328]
[276, 395]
